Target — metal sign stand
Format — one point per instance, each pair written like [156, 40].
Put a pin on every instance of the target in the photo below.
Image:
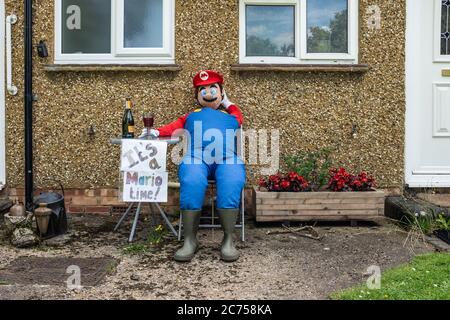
[118, 141]
[136, 218]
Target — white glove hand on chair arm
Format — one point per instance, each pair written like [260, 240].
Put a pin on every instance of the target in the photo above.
[225, 102]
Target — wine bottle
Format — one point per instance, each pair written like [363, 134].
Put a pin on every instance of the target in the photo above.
[128, 121]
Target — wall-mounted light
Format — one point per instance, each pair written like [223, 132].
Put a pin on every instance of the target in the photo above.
[42, 49]
[91, 132]
[354, 130]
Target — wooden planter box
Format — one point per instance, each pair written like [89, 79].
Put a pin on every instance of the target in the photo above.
[310, 206]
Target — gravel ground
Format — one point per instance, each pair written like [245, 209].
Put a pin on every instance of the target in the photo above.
[277, 266]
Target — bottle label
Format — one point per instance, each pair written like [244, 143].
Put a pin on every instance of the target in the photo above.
[131, 129]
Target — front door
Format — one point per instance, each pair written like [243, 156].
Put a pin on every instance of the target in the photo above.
[2, 95]
[428, 93]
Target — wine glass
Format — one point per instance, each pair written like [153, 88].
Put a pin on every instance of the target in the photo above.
[149, 120]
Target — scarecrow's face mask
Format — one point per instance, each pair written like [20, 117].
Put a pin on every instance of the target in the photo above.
[209, 96]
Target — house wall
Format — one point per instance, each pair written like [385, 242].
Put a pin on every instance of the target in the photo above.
[313, 110]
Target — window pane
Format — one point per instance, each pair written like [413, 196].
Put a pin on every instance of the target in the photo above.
[86, 26]
[327, 26]
[445, 32]
[143, 24]
[270, 30]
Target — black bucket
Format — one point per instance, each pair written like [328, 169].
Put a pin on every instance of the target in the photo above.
[58, 219]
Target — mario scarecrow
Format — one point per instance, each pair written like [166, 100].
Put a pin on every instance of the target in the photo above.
[216, 116]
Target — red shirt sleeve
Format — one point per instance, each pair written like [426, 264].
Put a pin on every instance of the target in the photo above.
[235, 111]
[167, 130]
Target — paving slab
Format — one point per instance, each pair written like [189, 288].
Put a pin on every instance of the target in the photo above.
[56, 270]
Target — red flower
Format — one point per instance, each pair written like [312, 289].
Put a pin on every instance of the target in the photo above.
[291, 182]
[341, 180]
[285, 184]
[262, 182]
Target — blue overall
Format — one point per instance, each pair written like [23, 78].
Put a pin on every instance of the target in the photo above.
[211, 156]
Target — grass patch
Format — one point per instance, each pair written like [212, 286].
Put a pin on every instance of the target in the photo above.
[427, 277]
[154, 239]
[136, 248]
[111, 268]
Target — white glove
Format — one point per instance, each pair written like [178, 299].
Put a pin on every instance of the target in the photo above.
[225, 102]
[152, 133]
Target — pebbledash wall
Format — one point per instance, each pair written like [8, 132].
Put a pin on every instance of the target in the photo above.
[312, 109]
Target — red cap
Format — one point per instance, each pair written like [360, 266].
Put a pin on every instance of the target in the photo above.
[206, 77]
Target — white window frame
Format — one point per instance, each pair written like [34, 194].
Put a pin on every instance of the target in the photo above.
[301, 54]
[2, 99]
[438, 57]
[119, 54]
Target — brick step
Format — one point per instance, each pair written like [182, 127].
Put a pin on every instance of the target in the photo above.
[441, 200]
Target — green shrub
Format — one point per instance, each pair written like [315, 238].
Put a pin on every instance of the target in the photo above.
[443, 222]
[312, 165]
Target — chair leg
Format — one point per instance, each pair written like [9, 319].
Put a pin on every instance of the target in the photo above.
[180, 224]
[243, 216]
[212, 210]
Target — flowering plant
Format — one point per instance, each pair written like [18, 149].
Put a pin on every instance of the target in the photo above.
[363, 182]
[341, 180]
[291, 182]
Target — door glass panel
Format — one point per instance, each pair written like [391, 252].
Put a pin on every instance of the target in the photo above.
[445, 32]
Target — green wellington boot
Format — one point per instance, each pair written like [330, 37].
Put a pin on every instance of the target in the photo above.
[191, 220]
[228, 221]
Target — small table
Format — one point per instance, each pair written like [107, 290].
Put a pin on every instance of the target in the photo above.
[169, 140]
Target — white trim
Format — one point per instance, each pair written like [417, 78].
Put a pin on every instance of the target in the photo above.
[416, 177]
[435, 112]
[120, 55]
[412, 94]
[2, 98]
[435, 170]
[12, 89]
[438, 57]
[427, 181]
[301, 56]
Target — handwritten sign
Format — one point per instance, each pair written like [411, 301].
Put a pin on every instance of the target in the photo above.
[143, 164]
[143, 155]
[144, 186]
